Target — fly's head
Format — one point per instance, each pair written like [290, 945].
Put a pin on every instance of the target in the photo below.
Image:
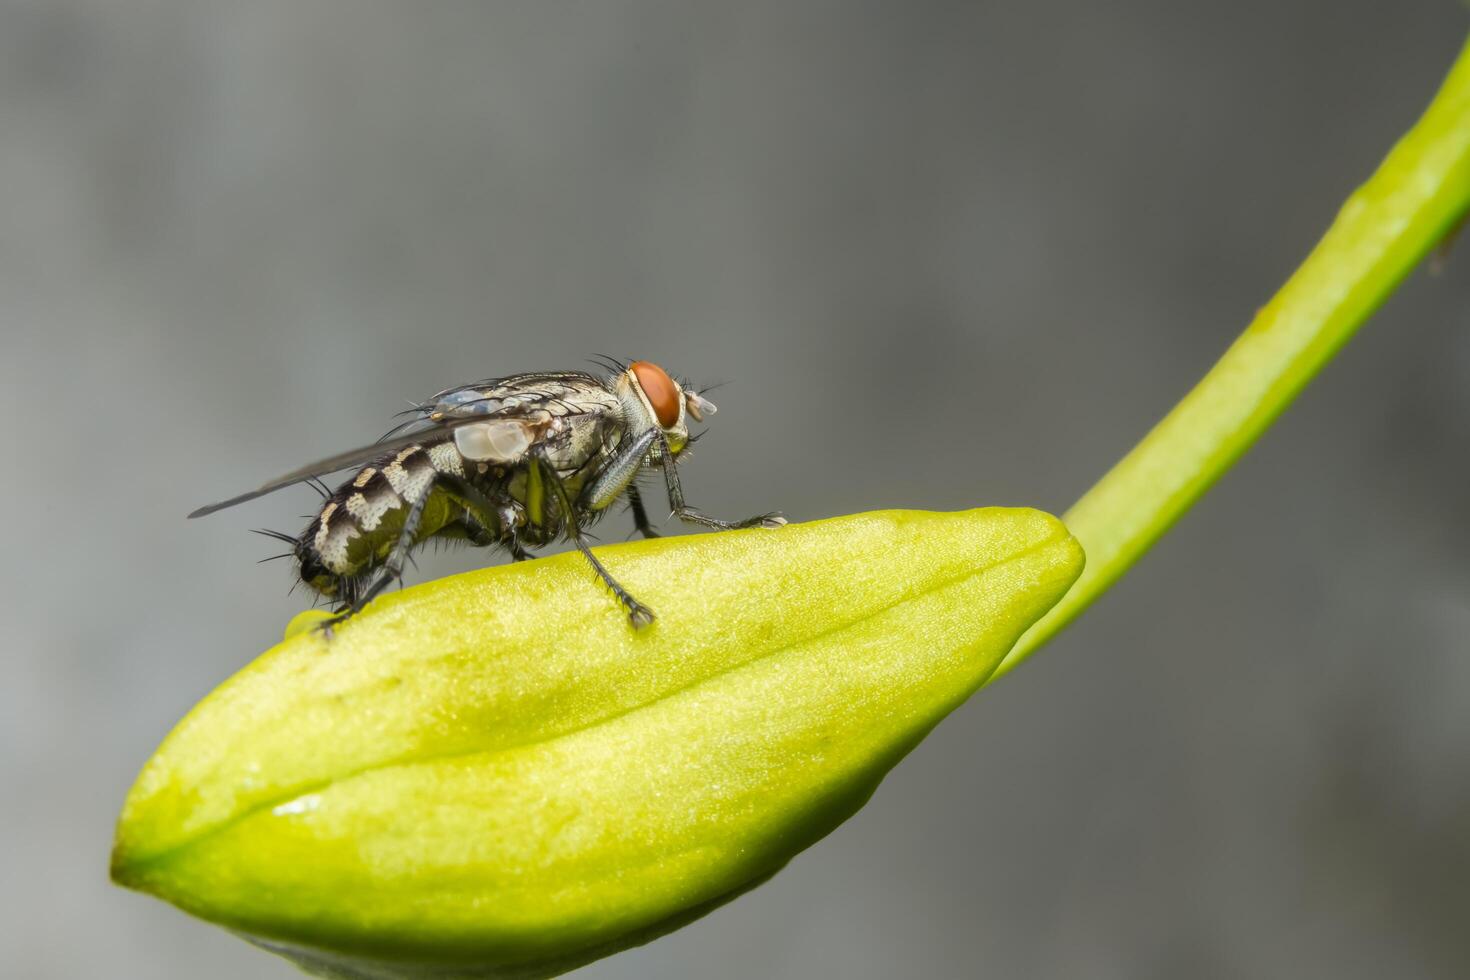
[653, 399]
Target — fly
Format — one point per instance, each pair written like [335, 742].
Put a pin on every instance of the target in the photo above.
[514, 462]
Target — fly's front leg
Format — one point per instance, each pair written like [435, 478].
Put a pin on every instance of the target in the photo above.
[392, 569]
[638, 614]
[616, 477]
[689, 515]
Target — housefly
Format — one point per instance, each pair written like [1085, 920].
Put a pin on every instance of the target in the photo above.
[514, 462]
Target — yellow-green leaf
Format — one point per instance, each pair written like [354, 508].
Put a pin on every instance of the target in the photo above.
[493, 774]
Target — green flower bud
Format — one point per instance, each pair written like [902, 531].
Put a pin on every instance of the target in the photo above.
[493, 775]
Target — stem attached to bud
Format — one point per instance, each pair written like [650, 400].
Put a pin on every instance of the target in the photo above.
[1420, 192]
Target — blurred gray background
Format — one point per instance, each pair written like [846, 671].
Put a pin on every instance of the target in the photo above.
[947, 253]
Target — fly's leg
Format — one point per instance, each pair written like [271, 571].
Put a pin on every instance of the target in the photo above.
[689, 515]
[484, 512]
[348, 589]
[640, 516]
[617, 473]
[475, 532]
[392, 568]
[616, 477]
[638, 614]
[517, 550]
[482, 537]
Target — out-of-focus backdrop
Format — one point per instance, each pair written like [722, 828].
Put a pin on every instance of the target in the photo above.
[947, 254]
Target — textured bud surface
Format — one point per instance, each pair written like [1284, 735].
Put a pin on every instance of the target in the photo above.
[492, 774]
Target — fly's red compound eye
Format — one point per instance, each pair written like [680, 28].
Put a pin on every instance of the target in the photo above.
[660, 391]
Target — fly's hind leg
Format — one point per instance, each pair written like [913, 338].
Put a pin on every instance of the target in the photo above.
[392, 568]
[638, 614]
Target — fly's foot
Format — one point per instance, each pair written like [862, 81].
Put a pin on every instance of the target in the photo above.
[691, 516]
[639, 615]
[774, 519]
[327, 627]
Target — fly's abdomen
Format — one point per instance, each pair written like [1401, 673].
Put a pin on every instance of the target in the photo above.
[360, 523]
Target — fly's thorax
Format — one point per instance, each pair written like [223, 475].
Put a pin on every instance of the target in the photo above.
[564, 419]
[582, 440]
[567, 443]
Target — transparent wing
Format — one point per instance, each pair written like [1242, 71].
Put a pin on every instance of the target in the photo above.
[332, 464]
[518, 395]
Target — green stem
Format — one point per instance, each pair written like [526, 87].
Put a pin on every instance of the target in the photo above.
[1418, 194]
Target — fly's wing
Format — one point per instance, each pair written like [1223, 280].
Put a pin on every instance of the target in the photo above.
[517, 396]
[332, 464]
